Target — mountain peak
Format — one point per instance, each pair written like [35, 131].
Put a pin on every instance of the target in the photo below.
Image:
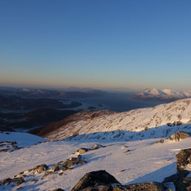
[164, 94]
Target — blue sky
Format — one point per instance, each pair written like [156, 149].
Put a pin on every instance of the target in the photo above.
[114, 44]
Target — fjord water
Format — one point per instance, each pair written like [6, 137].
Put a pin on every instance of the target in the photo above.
[120, 102]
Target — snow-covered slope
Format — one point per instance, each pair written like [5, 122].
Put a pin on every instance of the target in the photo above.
[21, 139]
[129, 148]
[121, 159]
[164, 94]
[133, 125]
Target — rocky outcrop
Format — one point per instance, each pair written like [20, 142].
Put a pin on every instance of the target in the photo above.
[70, 163]
[8, 146]
[175, 123]
[178, 136]
[12, 181]
[182, 179]
[81, 151]
[183, 159]
[95, 179]
[103, 181]
[40, 171]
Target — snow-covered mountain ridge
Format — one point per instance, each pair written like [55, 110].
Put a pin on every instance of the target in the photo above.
[148, 122]
[164, 94]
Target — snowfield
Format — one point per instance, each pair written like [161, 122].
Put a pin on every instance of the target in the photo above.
[22, 139]
[132, 148]
[137, 161]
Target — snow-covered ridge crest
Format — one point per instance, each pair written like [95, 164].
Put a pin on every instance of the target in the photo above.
[101, 124]
[164, 94]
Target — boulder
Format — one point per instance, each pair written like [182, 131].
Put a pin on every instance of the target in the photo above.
[14, 181]
[70, 163]
[81, 151]
[40, 168]
[178, 180]
[161, 141]
[95, 179]
[183, 159]
[6, 181]
[178, 136]
[182, 179]
[57, 167]
[170, 186]
[74, 161]
[8, 146]
[18, 181]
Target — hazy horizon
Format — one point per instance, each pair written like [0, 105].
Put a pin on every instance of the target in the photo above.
[114, 45]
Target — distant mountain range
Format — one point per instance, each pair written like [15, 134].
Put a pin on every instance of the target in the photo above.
[163, 94]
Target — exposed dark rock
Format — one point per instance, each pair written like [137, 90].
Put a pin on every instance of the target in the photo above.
[43, 170]
[179, 136]
[161, 141]
[55, 168]
[93, 179]
[181, 180]
[103, 181]
[73, 161]
[8, 146]
[187, 183]
[58, 189]
[178, 181]
[145, 187]
[65, 165]
[16, 181]
[6, 181]
[183, 159]
[40, 168]
[175, 123]
[82, 151]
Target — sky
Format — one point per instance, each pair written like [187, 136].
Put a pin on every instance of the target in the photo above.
[107, 44]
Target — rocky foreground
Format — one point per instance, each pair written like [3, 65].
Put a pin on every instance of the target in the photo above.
[101, 180]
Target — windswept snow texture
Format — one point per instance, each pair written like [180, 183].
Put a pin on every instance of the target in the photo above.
[133, 125]
[22, 139]
[129, 162]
